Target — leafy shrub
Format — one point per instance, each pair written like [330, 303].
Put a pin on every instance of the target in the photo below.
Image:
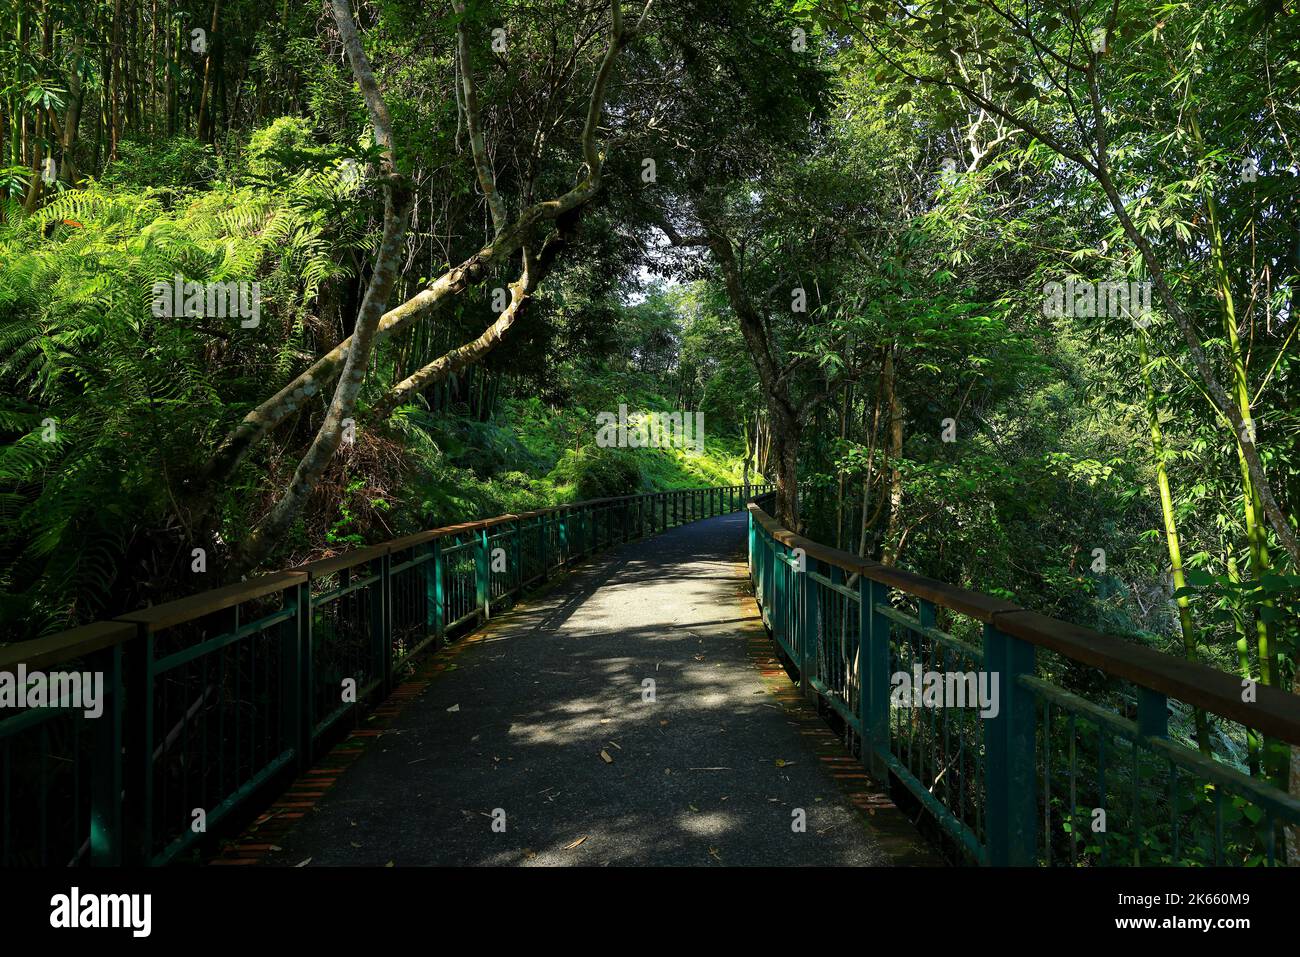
[282, 147]
[595, 472]
[175, 163]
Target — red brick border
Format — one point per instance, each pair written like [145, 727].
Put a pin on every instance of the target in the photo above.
[889, 826]
[266, 833]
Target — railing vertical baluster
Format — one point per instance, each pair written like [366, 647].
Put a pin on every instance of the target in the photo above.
[1009, 741]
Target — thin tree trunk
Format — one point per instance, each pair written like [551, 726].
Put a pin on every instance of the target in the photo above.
[205, 96]
[1171, 535]
[890, 552]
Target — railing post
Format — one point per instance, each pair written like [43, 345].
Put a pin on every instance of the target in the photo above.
[769, 582]
[1009, 739]
[137, 847]
[381, 625]
[482, 576]
[808, 640]
[519, 555]
[543, 546]
[562, 536]
[308, 670]
[292, 691]
[781, 595]
[873, 676]
[106, 787]
[1153, 713]
[750, 539]
[435, 601]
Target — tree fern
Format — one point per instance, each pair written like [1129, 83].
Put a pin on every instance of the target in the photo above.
[135, 401]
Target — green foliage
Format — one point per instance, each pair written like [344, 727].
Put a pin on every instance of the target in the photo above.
[595, 472]
[136, 400]
[165, 164]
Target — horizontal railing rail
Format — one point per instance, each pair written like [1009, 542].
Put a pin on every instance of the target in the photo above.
[207, 698]
[981, 729]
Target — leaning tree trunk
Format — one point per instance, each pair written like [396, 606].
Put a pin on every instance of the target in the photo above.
[786, 433]
[397, 207]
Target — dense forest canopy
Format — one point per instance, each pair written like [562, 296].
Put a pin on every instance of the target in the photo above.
[1005, 292]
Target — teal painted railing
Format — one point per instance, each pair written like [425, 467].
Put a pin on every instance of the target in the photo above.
[1053, 776]
[207, 698]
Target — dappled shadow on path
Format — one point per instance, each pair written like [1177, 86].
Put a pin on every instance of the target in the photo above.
[639, 656]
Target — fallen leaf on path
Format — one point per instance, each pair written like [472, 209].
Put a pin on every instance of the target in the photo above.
[569, 847]
[604, 756]
[303, 863]
[454, 707]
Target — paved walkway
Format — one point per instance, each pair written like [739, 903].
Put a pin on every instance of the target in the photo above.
[542, 717]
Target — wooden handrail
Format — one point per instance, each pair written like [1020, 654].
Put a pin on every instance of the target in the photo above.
[78, 642]
[66, 645]
[1274, 712]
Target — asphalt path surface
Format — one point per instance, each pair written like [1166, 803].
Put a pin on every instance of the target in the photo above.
[499, 761]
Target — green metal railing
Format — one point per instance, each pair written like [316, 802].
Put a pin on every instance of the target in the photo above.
[1052, 776]
[208, 698]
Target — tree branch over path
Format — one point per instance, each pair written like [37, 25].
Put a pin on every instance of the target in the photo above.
[348, 361]
[536, 269]
[259, 422]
